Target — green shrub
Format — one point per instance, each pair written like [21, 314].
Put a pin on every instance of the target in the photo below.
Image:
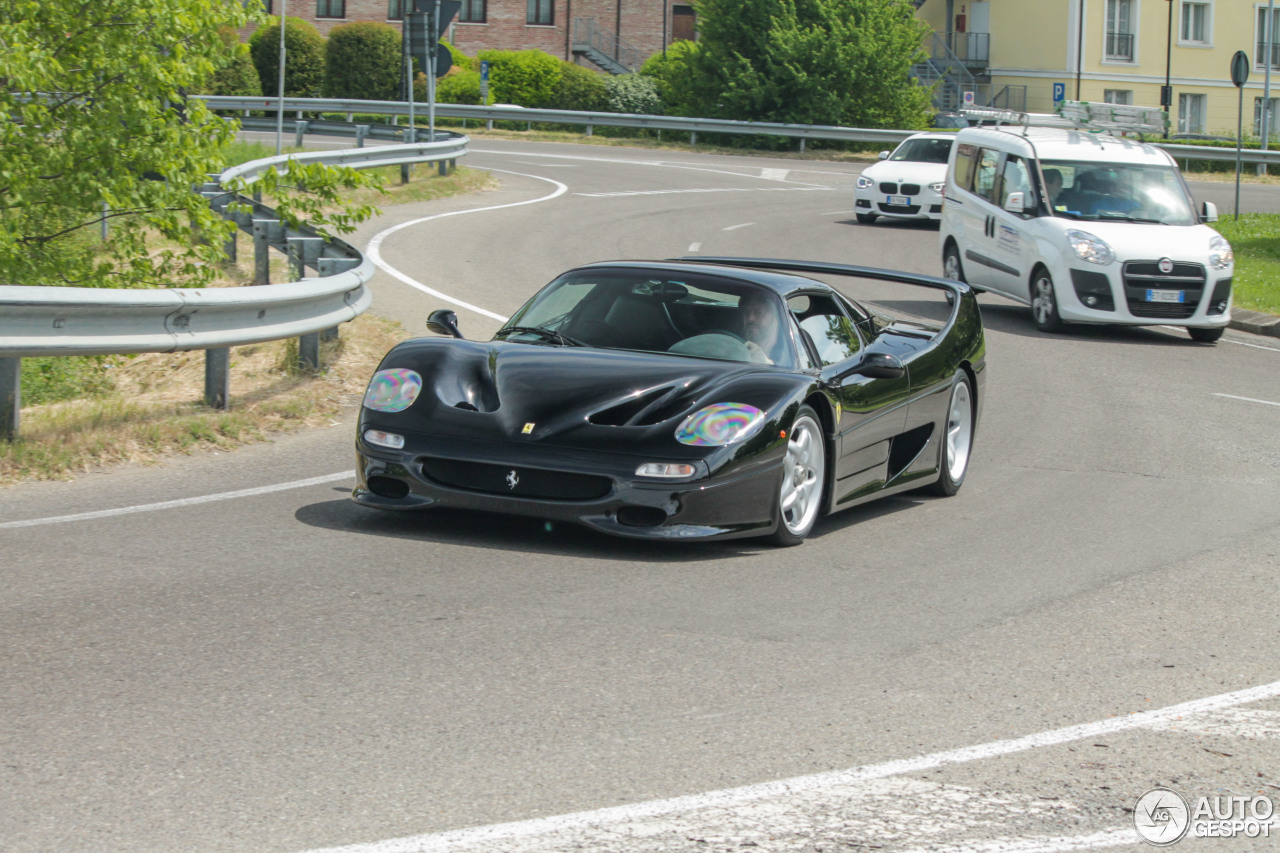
[632, 93]
[460, 87]
[526, 77]
[671, 71]
[304, 50]
[50, 379]
[239, 77]
[580, 89]
[362, 61]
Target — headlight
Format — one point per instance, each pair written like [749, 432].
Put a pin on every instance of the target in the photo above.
[1220, 254]
[392, 390]
[938, 187]
[1089, 248]
[865, 183]
[720, 424]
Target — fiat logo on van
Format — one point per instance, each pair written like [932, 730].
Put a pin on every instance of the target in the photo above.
[1166, 266]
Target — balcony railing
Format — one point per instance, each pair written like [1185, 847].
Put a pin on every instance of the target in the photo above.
[1120, 46]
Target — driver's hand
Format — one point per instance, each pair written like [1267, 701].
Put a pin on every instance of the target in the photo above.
[757, 354]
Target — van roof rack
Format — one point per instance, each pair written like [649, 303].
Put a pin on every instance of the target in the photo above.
[1114, 118]
[995, 115]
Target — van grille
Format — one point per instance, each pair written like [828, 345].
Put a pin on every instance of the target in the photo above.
[1141, 276]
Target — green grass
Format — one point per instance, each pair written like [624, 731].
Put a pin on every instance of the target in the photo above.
[1255, 237]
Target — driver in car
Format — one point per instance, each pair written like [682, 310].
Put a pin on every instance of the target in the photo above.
[762, 327]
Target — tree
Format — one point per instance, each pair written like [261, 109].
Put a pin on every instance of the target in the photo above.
[672, 71]
[304, 58]
[96, 129]
[362, 61]
[843, 62]
[239, 77]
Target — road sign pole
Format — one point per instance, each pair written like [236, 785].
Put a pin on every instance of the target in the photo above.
[1239, 76]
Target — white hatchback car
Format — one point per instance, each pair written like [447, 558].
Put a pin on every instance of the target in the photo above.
[907, 184]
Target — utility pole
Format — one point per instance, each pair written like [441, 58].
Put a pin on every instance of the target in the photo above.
[280, 111]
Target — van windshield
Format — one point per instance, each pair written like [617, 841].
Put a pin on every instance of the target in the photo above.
[1131, 192]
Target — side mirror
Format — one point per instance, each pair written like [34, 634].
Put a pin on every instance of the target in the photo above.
[884, 155]
[443, 322]
[1208, 212]
[878, 365]
[1016, 202]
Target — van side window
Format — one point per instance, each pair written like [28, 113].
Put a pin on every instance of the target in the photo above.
[966, 158]
[1015, 178]
[985, 181]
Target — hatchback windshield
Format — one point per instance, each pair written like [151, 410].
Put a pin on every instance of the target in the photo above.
[1118, 191]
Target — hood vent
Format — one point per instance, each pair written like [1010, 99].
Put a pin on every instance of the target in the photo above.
[642, 409]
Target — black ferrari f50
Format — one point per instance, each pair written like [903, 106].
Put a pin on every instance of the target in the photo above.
[707, 398]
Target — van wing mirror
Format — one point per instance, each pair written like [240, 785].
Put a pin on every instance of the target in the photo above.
[1016, 202]
[1208, 212]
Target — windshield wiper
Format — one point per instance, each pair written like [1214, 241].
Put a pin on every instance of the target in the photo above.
[1111, 214]
[544, 333]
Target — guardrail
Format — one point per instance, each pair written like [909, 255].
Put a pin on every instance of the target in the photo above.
[53, 321]
[590, 120]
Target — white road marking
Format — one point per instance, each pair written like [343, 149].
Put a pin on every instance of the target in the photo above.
[627, 193]
[736, 227]
[774, 174]
[746, 172]
[1047, 844]
[375, 245]
[1247, 399]
[695, 247]
[704, 815]
[201, 499]
[1230, 722]
[1254, 346]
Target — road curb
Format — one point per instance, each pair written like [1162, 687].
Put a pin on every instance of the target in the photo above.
[1255, 322]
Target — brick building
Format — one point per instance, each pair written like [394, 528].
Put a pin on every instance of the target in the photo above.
[609, 35]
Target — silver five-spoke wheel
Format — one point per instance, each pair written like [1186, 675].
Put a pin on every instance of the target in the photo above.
[804, 473]
[957, 439]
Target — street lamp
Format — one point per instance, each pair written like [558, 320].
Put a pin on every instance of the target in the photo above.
[280, 111]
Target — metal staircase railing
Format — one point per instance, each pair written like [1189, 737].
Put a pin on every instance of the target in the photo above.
[603, 47]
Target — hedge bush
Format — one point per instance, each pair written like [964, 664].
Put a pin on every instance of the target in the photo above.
[632, 93]
[239, 77]
[304, 49]
[528, 78]
[580, 89]
[362, 61]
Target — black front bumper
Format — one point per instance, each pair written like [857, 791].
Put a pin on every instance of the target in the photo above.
[599, 491]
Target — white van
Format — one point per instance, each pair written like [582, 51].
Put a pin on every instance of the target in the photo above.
[1120, 242]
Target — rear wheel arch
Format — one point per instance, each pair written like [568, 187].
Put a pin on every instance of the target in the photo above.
[822, 407]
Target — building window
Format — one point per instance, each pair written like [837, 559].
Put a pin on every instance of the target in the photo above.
[1191, 113]
[266, 5]
[1262, 37]
[1119, 43]
[540, 12]
[395, 10]
[472, 12]
[1117, 96]
[1197, 23]
[331, 8]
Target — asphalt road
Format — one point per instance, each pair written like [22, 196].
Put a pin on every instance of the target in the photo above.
[225, 654]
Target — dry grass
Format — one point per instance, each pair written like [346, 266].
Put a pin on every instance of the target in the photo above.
[156, 408]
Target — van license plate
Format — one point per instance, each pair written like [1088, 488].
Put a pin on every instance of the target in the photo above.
[1166, 296]
[899, 200]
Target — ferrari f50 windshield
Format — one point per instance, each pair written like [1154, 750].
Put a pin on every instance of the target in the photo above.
[703, 316]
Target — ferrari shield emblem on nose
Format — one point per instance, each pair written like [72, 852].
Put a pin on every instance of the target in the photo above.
[513, 479]
[528, 428]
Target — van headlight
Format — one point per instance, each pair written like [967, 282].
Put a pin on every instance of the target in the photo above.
[1221, 255]
[1090, 248]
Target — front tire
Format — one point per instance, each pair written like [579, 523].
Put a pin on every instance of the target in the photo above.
[1044, 303]
[957, 438]
[1206, 336]
[951, 267]
[866, 218]
[804, 479]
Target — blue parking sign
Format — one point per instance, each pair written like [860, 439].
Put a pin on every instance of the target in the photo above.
[1059, 92]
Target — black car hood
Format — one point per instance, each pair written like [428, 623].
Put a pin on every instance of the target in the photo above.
[572, 395]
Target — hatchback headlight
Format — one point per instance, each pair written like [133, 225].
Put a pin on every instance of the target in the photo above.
[1221, 255]
[938, 187]
[865, 183]
[1090, 248]
[392, 390]
[720, 424]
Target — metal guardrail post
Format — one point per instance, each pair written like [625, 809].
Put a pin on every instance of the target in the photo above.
[217, 377]
[300, 130]
[10, 397]
[261, 253]
[309, 351]
[362, 130]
